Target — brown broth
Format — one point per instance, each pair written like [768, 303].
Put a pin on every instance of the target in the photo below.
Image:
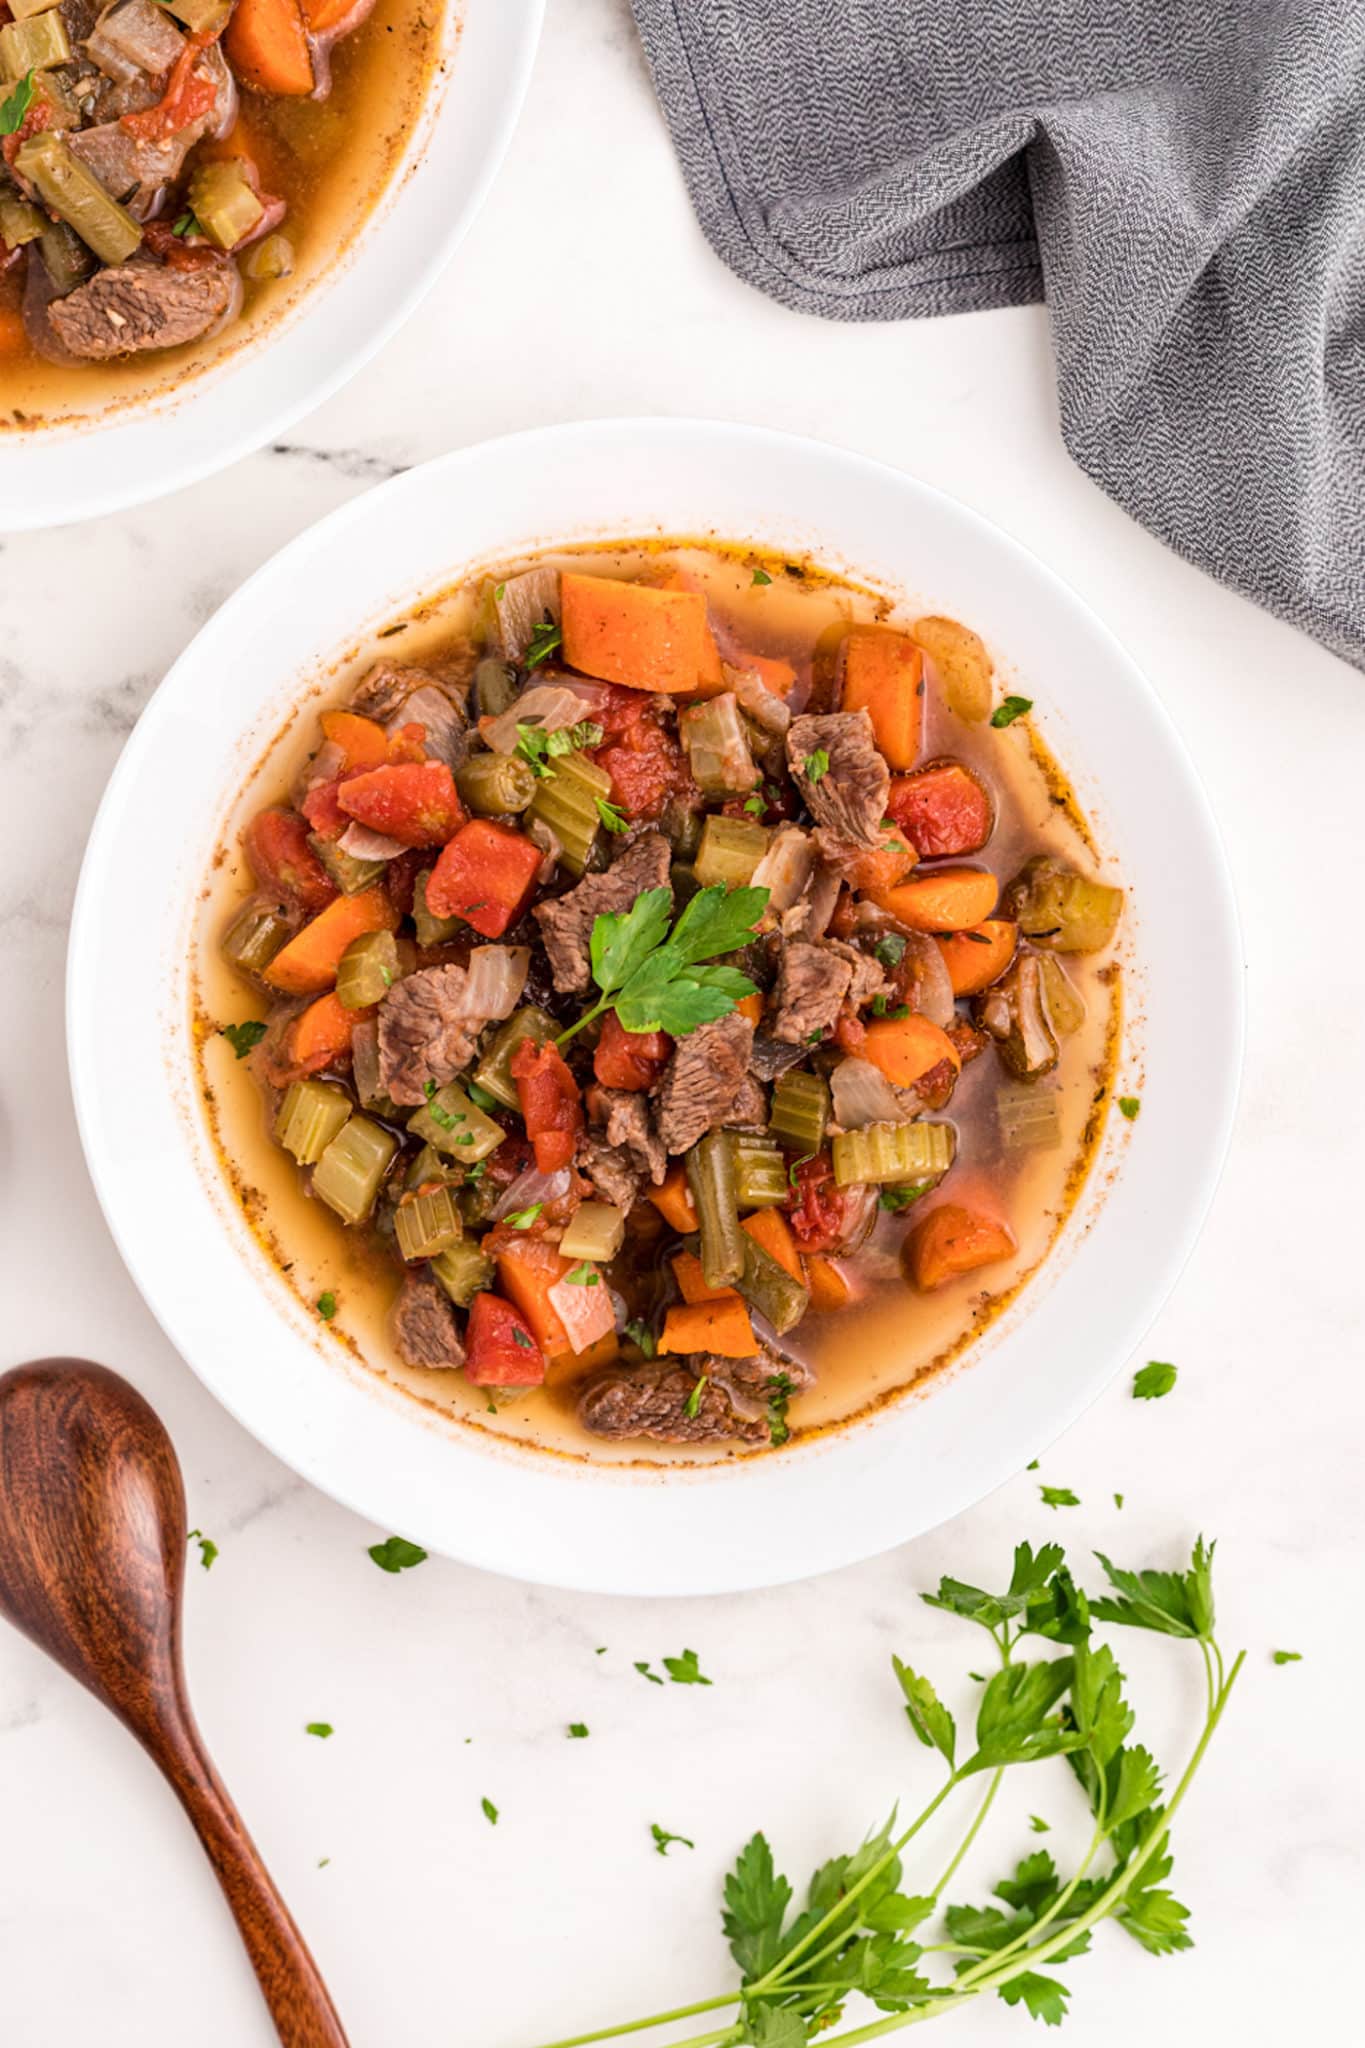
[892, 1340]
[331, 159]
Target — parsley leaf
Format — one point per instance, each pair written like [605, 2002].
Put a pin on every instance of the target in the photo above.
[242, 1037]
[481, 1098]
[189, 225]
[1153, 1381]
[490, 1812]
[578, 1730]
[208, 1549]
[816, 765]
[612, 816]
[1129, 1105]
[642, 1666]
[327, 1305]
[894, 1199]
[584, 1275]
[756, 1900]
[396, 1554]
[546, 637]
[890, 950]
[13, 109]
[652, 977]
[1044, 1997]
[1012, 708]
[1059, 1497]
[755, 805]
[662, 1838]
[522, 1219]
[780, 1391]
[1039, 1826]
[685, 1670]
[1171, 1603]
[926, 1712]
[322, 1729]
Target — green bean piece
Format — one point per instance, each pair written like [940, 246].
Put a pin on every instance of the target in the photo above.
[566, 800]
[711, 1177]
[1065, 1007]
[595, 1231]
[19, 222]
[349, 874]
[310, 1116]
[427, 1224]
[1060, 909]
[464, 1269]
[451, 1123]
[718, 747]
[270, 258]
[223, 202]
[255, 936]
[769, 1288]
[800, 1111]
[730, 850]
[1029, 1117]
[492, 785]
[66, 259]
[431, 930]
[495, 683]
[494, 1071]
[38, 44]
[367, 970]
[350, 1172]
[893, 1152]
[65, 184]
[760, 1171]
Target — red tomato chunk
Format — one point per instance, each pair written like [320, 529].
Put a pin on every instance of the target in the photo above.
[818, 1210]
[277, 847]
[414, 802]
[484, 875]
[942, 809]
[629, 1059]
[551, 1107]
[499, 1348]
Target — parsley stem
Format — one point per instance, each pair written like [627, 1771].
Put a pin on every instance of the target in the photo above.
[971, 1833]
[586, 1018]
[658, 2019]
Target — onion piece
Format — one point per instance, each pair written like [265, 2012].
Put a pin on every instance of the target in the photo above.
[785, 869]
[862, 1095]
[363, 844]
[927, 983]
[547, 706]
[445, 735]
[763, 705]
[325, 766]
[494, 979]
[531, 1187]
[585, 1311]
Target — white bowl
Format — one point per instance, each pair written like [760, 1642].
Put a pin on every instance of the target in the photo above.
[670, 1530]
[53, 474]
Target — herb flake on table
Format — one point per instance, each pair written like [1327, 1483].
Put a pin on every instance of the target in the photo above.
[578, 1730]
[642, 1666]
[662, 1839]
[1059, 1497]
[322, 1729]
[685, 1670]
[490, 1812]
[1287, 1657]
[396, 1554]
[208, 1549]
[1154, 1380]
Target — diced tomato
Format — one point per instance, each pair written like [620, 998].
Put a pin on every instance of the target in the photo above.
[942, 809]
[409, 743]
[188, 94]
[849, 1028]
[276, 843]
[629, 1059]
[322, 810]
[484, 875]
[819, 1211]
[551, 1107]
[499, 1348]
[412, 801]
[646, 766]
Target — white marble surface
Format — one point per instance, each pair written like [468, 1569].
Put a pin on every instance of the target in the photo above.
[586, 289]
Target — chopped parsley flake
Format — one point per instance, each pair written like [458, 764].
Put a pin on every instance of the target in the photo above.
[1129, 1106]
[612, 816]
[490, 1812]
[780, 1391]
[322, 1729]
[1287, 1657]
[13, 109]
[583, 1276]
[895, 1199]
[396, 1554]
[662, 1838]
[208, 1549]
[327, 1306]
[522, 1219]
[1012, 708]
[640, 1335]
[578, 1730]
[761, 576]
[1154, 1380]
[546, 637]
[1059, 1497]
[242, 1037]
[685, 1670]
[642, 1666]
[693, 1408]
[816, 765]
[890, 950]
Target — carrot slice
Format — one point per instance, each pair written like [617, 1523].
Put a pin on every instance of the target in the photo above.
[905, 1048]
[363, 741]
[528, 1267]
[674, 1200]
[882, 866]
[573, 1364]
[632, 633]
[948, 900]
[830, 1286]
[752, 1008]
[884, 676]
[692, 1281]
[321, 1035]
[719, 1326]
[308, 964]
[979, 956]
[267, 45]
[951, 1240]
[772, 1233]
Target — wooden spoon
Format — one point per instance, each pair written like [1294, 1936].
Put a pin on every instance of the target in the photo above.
[92, 1568]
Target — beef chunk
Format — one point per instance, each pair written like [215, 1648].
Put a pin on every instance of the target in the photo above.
[615, 1177]
[140, 305]
[866, 977]
[424, 1326]
[566, 923]
[811, 986]
[652, 1401]
[702, 1081]
[751, 1379]
[426, 1033]
[382, 689]
[851, 796]
[749, 1110]
[630, 1129]
[769, 1058]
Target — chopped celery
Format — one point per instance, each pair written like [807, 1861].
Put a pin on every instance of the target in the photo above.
[431, 930]
[350, 1172]
[800, 1111]
[770, 1288]
[204, 17]
[255, 936]
[452, 1124]
[367, 970]
[1060, 909]
[427, 1224]
[596, 1231]
[711, 1177]
[893, 1152]
[464, 1269]
[566, 801]
[65, 184]
[349, 874]
[718, 747]
[22, 9]
[760, 1170]
[66, 259]
[428, 1166]
[1065, 1008]
[494, 1071]
[53, 104]
[730, 850]
[495, 686]
[479, 1197]
[223, 202]
[1029, 1117]
[494, 784]
[39, 43]
[19, 222]
[1014, 1012]
[310, 1116]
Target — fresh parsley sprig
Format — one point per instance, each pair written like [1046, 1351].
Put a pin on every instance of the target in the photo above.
[654, 978]
[859, 1928]
[16, 105]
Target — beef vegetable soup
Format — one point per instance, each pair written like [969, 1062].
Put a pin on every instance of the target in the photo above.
[662, 1006]
[172, 173]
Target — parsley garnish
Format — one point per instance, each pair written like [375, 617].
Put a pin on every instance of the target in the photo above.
[522, 1219]
[208, 1549]
[653, 977]
[539, 747]
[642, 1666]
[396, 1554]
[327, 1305]
[755, 805]
[890, 950]
[1287, 1657]
[583, 1276]
[1012, 708]
[762, 576]
[1118, 1500]
[499, 591]
[490, 1812]
[1039, 1826]
[816, 766]
[481, 1098]
[13, 109]
[1059, 1497]
[780, 1391]
[242, 1037]
[322, 1729]
[188, 225]
[896, 1199]
[1154, 1380]
[794, 1169]
[578, 1730]
[662, 1838]
[1129, 1106]
[693, 1408]
[879, 1009]
[685, 1670]
[520, 1337]
[640, 1334]
[476, 1171]
[545, 638]
[612, 816]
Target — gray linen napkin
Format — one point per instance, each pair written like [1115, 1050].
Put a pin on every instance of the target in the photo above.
[1184, 180]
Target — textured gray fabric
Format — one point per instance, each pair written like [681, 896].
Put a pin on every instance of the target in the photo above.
[1184, 180]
